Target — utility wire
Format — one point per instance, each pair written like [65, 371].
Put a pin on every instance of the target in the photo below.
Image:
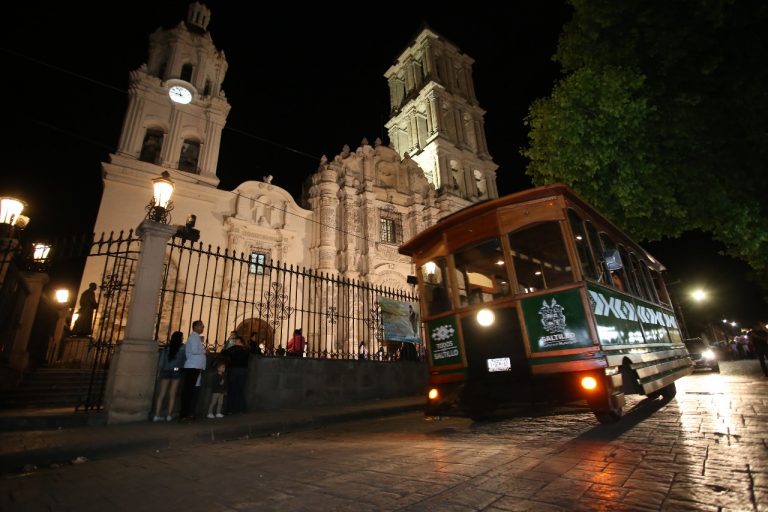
[235, 130]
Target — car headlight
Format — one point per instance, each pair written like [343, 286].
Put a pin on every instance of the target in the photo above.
[708, 354]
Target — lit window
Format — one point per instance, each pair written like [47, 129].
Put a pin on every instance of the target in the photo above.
[258, 260]
[391, 227]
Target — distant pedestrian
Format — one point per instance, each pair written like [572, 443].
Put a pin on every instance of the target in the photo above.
[237, 361]
[218, 381]
[296, 344]
[193, 370]
[758, 336]
[231, 340]
[172, 359]
[362, 351]
[408, 352]
[254, 347]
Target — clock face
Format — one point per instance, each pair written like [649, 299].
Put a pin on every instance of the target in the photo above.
[180, 94]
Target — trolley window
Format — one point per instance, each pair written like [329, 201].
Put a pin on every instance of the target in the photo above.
[540, 258]
[437, 291]
[588, 267]
[481, 272]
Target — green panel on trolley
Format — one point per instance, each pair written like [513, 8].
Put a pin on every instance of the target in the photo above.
[625, 320]
[444, 341]
[556, 321]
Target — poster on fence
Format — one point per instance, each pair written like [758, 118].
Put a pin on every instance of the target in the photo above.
[400, 320]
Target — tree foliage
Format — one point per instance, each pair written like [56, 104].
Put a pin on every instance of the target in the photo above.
[661, 118]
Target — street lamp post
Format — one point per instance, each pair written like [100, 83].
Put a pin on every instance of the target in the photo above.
[61, 297]
[160, 206]
[10, 216]
[132, 369]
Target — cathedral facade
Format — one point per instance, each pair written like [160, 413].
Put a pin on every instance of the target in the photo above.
[355, 209]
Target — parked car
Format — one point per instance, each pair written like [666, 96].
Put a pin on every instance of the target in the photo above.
[702, 355]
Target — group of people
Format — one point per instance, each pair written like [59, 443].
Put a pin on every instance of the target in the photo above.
[184, 364]
[406, 352]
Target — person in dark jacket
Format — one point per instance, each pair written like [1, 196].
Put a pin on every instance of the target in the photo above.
[237, 356]
[758, 336]
[218, 388]
[171, 362]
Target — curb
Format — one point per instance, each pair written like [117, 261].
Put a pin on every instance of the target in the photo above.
[50, 451]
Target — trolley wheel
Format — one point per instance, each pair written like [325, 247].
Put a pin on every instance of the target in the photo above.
[606, 417]
[669, 391]
[606, 411]
[483, 415]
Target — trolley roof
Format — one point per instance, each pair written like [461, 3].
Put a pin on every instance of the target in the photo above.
[433, 234]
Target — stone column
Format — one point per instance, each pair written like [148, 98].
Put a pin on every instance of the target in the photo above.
[34, 282]
[434, 110]
[131, 380]
[58, 332]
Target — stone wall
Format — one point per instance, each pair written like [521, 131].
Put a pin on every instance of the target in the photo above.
[277, 382]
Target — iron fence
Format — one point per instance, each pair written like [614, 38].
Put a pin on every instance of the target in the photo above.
[264, 300]
[340, 318]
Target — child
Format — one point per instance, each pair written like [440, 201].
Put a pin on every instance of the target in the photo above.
[218, 389]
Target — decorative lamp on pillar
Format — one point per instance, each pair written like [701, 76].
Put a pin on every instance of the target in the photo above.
[40, 252]
[62, 296]
[10, 211]
[159, 208]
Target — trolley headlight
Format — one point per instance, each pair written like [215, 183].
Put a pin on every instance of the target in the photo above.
[485, 317]
[589, 383]
[708, 354]
[433, 394]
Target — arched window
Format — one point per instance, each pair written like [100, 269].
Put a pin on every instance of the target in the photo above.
[190, 152]
[186, 72]
[150, 148]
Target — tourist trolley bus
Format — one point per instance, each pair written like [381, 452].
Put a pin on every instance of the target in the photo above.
[536, 296]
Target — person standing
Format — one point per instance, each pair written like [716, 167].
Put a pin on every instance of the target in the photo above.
[362, 351]
[231, 340]
[237, 356]
[296, 344]
[218, 389]
[254, 347]
[172, 360]
[193, 369]
[759, 338]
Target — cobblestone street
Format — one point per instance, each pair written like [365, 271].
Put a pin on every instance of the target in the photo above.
[704, 450]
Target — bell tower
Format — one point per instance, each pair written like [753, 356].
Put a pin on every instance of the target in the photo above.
[436, 120]
[176, 106]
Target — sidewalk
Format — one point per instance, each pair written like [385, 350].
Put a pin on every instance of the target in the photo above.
[42, 448]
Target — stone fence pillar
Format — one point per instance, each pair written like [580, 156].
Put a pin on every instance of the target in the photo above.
[131, 380]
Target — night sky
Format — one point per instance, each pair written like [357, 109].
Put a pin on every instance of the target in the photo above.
[301, 82]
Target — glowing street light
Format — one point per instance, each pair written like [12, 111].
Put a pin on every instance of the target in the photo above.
[40, 252]
[699, 295]
[62, 295]
[11, 217]
[158, 208]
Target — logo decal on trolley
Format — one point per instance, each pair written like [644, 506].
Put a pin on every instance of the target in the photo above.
[553, 321]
